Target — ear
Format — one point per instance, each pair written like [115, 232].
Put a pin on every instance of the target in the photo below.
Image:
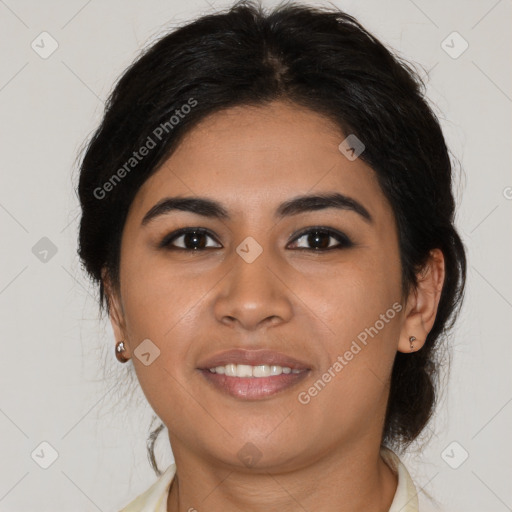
[116, 312]
[421, 307]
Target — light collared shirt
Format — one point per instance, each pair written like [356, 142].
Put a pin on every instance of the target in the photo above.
[154, 499]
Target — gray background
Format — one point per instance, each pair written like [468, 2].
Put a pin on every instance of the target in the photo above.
[60, 382]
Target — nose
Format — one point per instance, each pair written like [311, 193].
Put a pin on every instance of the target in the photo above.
[253, 294]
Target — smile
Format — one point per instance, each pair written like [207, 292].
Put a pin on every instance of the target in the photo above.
[252, 384]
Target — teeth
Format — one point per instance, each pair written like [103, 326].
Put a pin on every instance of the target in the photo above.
[246, 370]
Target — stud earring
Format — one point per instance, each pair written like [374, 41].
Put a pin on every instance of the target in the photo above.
[411, 339]
[119, 352]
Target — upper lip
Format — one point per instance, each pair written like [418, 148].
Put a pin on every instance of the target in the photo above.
[253, 358]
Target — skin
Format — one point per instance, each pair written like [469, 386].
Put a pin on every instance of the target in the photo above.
[307, 304]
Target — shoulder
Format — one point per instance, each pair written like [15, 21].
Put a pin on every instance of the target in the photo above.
[406, 496]
[153, 499]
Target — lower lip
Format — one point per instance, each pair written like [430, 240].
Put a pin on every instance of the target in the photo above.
[253, 388]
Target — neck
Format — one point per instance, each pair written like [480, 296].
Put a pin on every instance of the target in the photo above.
[350, 479]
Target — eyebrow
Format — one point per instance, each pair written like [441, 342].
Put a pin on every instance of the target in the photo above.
[300, 204]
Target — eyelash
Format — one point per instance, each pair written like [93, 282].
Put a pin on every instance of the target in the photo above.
[344, 241]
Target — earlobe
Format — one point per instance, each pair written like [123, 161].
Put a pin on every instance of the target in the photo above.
[422, 304]
[116, 314]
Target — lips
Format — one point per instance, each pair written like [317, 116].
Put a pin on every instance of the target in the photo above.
[253, 358]
[256, 388]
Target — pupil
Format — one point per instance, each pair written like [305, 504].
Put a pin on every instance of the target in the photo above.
[313, 240]
[192, 238]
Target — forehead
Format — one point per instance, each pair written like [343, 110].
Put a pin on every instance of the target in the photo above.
[252, 158]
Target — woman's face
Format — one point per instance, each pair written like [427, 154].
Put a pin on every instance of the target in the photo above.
[256, 282]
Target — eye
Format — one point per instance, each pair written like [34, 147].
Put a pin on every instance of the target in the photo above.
[193, 239]
[319, 238]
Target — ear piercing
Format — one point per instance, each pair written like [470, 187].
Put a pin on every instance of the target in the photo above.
[120, 348]
[411, 339]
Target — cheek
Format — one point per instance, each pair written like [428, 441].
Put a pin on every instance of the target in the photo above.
[160, 306]
[353, 296]
[363, 319]
[359, 307]
[157, 295]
